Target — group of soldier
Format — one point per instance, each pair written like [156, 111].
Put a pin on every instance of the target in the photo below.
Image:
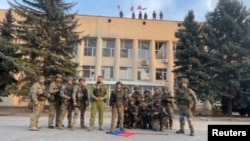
[129, 110]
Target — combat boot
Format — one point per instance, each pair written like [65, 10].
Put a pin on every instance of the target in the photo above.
[181, 131]
[33, 129]
[101, 128]
[91, 128]
[192, 133]
[60, 127]
[73, 127]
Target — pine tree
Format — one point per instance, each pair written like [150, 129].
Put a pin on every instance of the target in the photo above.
[227, 31]
[11, 63]
[47, 30]
[191, 58]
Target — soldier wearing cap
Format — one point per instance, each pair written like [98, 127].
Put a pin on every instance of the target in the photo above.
[54, 101]
[81, 102]
[117, 101]
[36, 94]
[98, 96]
[67, 103]
[137, 96]
[167, 101]
[186, 101]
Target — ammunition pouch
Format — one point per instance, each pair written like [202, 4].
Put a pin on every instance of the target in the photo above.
[41, 97]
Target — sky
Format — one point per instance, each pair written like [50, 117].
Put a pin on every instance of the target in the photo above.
[174, 10]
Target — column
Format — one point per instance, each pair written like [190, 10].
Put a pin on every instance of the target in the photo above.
[170, 67]
[135, 59]
[98, 57]
[79, 58]
[117, 59]
[152, 62]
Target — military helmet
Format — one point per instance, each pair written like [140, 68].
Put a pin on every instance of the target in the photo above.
[147, 90]
[136, 87]
[81, 78]
[165, 88]
[143, 104]
[70, 78]
[118, 82]
[184, 80]
[58, 76]
[126, 87]
[157, 88]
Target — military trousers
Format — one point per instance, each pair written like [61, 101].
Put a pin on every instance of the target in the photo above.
[117, 111]
[79, 110]
[54, 112]
[37, 112]
[170, 111]
[185, 111]
[66, 108]
[97, 106]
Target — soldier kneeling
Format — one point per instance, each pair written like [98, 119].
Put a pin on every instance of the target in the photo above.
[158, 116]
[144, 116]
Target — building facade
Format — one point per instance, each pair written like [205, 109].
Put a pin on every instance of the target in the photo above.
[134, 51]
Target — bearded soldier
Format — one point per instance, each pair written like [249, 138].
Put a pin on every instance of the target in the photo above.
[67, 103]
[38, 97]
[54, 101]
[167, 101]
[186, 101]
[117, 101]
[81, 102]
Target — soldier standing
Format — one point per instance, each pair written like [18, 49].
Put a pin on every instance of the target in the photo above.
[147, 97]
[37, 95]
[184, 98]
[54, 101]
[117, 101]
[137, 96]
[81, 102]
[98, 97]
[156, 95]
[167, 101]
[67, 103]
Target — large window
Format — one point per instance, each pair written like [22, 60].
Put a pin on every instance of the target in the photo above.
[144, 49]
[161, 74]
[90, 46]
[161, 50]
[126, 48]
[89, 71]
[143, 74]
[125, 73]
[107, 72]
[108, 48]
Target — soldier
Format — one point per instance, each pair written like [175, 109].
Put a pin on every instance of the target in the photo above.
[158, 116]
[38, 97]
[67, 103]
[117, 101]
[133, 114]
[81, 102]
[167, 101]
[54, 101]
[184, 98]
[147, 97]
[156, 95]
[137, 96]
[144, 115]
[98, 97]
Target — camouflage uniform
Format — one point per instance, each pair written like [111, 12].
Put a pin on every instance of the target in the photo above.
[98, 97]
[158, 116]
[132, 114]
[184, 99]
[147, 97]
[167, 101]
[67, 104]
[81, 102]
[38, 98]
[54, 103]
[144, 116]
[117, 101]
[137, 96]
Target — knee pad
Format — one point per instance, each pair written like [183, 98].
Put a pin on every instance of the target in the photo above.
[181, 116]
[189, 119]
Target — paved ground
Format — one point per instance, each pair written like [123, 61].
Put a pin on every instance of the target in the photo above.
[15, 128]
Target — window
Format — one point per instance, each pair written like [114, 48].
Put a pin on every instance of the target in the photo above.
[89, 71]
[126, 48]
[125, 73]
[90, 46]
[144, 49]
[107, 72]
[108, 48]
[161, 50]
[161, 74]
[143, 74]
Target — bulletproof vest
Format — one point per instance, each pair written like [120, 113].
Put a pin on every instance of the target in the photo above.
[69, 90]
[156, 96]
[147, 99]
[184, 97]
[82, 90]
[119, 98]
[157, 108]
[99, 91]
[137, 96]
[166, 99]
